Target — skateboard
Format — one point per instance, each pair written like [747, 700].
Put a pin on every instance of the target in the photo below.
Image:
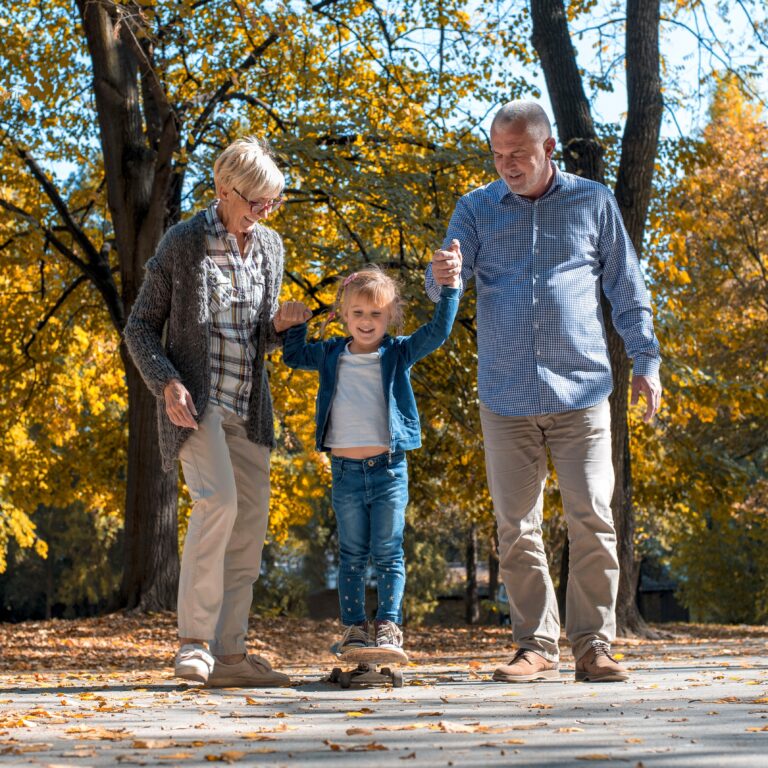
[367, 674]
[373, 667]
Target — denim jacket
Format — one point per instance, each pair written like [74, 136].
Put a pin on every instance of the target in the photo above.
[398, 354]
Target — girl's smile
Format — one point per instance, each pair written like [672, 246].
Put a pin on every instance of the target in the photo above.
[367, 324]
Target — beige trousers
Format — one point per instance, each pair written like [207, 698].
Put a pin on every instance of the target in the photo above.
[228, 479]
[579, 443]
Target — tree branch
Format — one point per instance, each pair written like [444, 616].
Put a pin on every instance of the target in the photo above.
[79, 280]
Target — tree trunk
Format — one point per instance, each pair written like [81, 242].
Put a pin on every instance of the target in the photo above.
[634, 185]
[562, 584]
[151, 551]
[471, 601]
[493, 566]
[138, 139]
[583, 155]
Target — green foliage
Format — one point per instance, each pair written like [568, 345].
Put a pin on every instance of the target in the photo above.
[701, 473]
[721, 559]
[79, 574]
[425, 573]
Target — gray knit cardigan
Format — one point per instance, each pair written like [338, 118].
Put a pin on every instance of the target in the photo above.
[168, 330]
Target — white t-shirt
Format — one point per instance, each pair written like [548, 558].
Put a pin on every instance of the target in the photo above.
[359, 411]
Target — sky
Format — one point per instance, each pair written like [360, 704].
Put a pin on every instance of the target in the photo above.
[684, 59]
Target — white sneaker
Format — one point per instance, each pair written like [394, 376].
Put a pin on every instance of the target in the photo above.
[389, 642]
[194, 662]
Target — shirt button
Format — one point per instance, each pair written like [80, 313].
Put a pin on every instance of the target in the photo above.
[538, 353]
[535, 326]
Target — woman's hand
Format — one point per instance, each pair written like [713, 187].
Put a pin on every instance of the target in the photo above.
[178, 405]
[289, 314]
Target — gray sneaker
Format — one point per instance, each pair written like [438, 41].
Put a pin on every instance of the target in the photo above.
[354, 640]
[389, 643]
[193, 662]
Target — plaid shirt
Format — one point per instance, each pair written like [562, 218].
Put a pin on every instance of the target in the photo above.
[237, 289]
[538, 267]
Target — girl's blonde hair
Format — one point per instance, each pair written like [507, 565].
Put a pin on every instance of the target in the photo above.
[374, 285]
[248, 165]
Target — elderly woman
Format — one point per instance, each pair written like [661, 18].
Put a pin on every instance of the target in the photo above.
[198, 333]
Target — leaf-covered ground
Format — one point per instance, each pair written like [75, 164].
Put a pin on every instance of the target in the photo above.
[121, 641]
[100, 692]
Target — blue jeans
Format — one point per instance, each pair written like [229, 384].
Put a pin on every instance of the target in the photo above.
[369, 497]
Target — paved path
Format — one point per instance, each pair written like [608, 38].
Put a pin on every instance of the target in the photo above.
[683, 710]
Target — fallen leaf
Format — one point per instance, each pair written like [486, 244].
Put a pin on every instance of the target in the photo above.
[152, 744]
[595, 756]
[231, 756]
[374, 746]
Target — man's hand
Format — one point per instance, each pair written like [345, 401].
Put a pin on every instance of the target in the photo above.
[289, 314]
[178, 405]
[650, 388]
[446, 265]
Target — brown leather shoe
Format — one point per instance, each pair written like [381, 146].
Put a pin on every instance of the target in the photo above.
[526, 667]
[598, 666]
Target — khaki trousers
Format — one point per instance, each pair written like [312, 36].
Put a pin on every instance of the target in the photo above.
[228, 479]
[580, 446]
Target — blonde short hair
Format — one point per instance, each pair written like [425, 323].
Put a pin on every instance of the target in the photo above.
[249, 165]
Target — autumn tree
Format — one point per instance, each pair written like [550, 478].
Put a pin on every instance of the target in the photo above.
[706, 493]
[584, 151]
[116, 141]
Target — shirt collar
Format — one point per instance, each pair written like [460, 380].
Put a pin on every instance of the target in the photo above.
[215, 226]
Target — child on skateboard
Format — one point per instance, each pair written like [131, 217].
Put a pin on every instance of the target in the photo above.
[366, 417]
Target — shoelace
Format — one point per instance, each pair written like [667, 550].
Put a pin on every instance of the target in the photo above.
[387, 633]
[355, 634]
[601, 648]
[522, 653]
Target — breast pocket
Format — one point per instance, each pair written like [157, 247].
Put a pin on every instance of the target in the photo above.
[221, 293]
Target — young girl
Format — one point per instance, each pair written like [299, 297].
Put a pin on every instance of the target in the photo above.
[367, 418]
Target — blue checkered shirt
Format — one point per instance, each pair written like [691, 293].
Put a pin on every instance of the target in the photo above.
[538, 266]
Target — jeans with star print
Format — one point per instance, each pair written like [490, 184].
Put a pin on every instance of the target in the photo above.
[369, 498]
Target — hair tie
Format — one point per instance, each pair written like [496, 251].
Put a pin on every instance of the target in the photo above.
[349, 279]
[331, 315]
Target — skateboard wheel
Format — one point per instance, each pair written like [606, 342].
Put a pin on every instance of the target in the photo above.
[345, 679]
[397, 679]
[386, 671]
[334, 676]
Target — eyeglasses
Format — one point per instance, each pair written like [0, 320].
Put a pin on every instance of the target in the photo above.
[257, 206]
